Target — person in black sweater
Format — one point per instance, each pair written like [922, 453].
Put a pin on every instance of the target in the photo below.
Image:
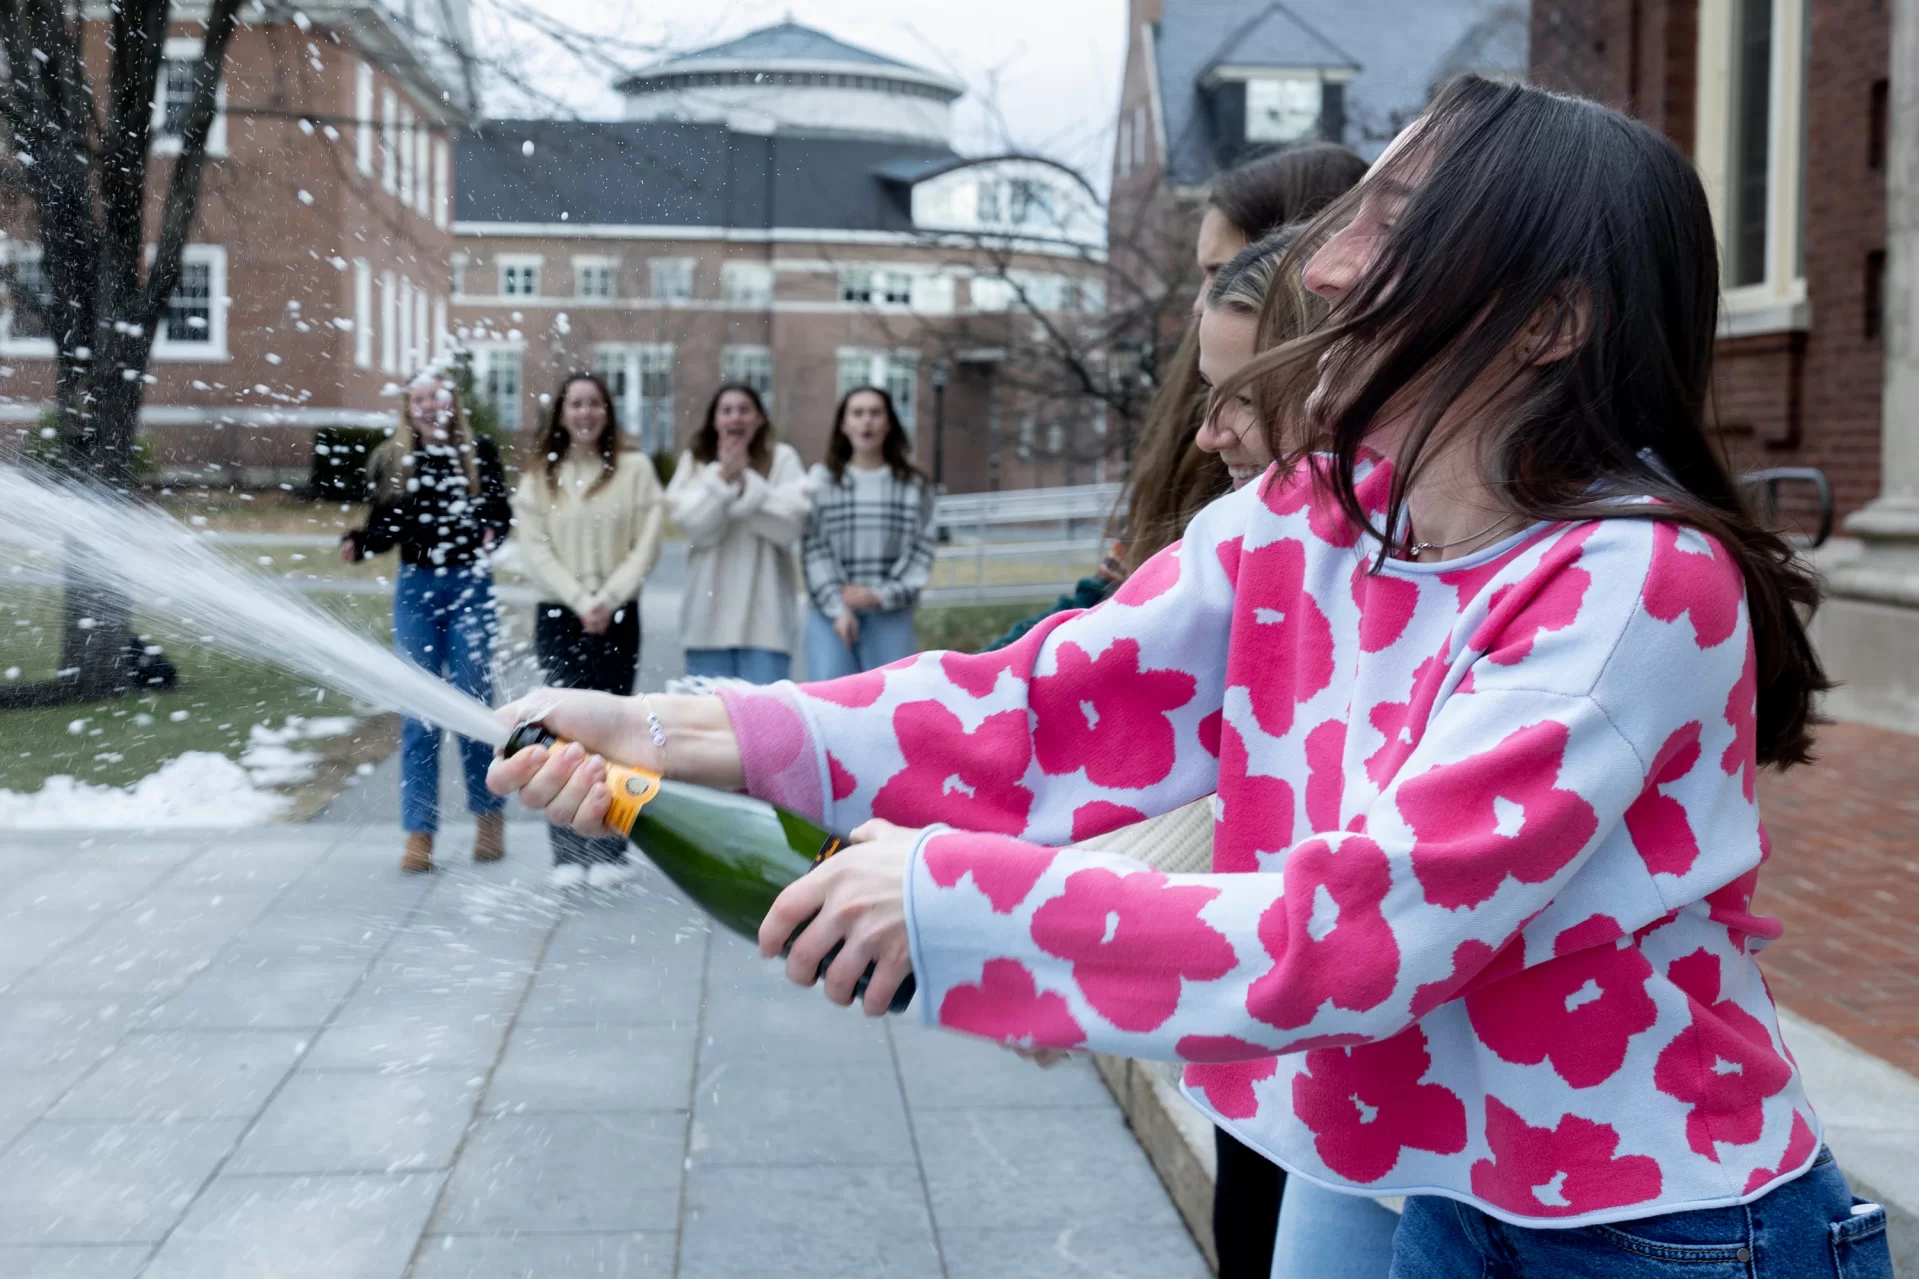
[439, 496]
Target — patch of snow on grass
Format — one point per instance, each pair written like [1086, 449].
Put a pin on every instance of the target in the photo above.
[198, 788]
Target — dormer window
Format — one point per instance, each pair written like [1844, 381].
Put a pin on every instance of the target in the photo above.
[1283, 109]
[1016, 202]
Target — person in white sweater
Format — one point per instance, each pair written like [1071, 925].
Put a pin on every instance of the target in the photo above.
[743, 501]
[589, 514]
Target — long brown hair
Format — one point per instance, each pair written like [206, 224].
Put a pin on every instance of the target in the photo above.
[894, 448]
[403, 449]
[1534, 204]
[706, 441]
[1289, 185]
[553, 442]
[1252, 284]
[1172, 479]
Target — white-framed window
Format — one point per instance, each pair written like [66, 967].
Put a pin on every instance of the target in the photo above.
[422, 170]
[442, 339]
[519, 275]
[1125, 147]
[896, 288]
[1092, 295]
[363, 118]
[1032, 290]
[640, 375]
[389, 322]
[497, 382]
[405, 339]
[173, 98]
[1283, 108]
[856, 284]
[933, 293]
[750, 366]
[1750, 149]
[594, 277]
[422, 336]
[1028, 435]
[389, 144]
[194, 324]
[896, 371]
[991, 294]
[672, 279]
[459, 274]
[1139, 134]
[442, 183]
[747, 283]
[23, 328]
[362, 314]
[407, 153]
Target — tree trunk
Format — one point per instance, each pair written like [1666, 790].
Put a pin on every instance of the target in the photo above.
[100, 419]
[96, 629]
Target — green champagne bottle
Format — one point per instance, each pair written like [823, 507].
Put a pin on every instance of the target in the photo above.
[732, 854]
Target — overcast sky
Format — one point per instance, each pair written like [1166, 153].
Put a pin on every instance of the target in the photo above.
[1042, 75]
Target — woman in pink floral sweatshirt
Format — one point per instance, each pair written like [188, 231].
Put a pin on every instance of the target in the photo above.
[1482, 684]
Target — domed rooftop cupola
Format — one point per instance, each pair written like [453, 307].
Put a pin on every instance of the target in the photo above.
[795, 78]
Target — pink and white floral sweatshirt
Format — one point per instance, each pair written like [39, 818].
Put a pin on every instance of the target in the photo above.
[1479, 919]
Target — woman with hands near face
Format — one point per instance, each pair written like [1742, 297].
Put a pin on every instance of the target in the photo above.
[743, 501]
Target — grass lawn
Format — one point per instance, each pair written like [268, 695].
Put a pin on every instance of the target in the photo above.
[217, 700]
[967, 628]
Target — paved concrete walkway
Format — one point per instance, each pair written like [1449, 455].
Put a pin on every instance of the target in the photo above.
[265, 1053]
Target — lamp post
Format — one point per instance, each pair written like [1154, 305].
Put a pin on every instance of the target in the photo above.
[939, 425]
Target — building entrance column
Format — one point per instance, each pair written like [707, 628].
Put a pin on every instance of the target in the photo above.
[1868, 631]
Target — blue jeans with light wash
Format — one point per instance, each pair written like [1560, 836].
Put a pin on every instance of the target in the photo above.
[1811, 1226]
[443, 621]
[754, 665]
[1326, 1235]
[884, 637]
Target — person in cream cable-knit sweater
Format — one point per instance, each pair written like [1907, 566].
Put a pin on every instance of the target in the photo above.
[589, 515]
[743, 502]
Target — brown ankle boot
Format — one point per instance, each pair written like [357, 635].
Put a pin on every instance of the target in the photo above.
[489, 840]
[418, 856]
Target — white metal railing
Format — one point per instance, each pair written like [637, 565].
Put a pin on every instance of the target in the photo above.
[991, 542]
[980, 516]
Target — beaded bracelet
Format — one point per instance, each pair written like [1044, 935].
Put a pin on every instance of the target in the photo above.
[654, 727]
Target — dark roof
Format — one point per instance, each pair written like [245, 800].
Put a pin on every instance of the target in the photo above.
[786, 42]
[1277, 38]
[1399, 46]
[673, 173]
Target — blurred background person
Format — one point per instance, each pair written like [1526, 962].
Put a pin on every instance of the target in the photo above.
[439, 496]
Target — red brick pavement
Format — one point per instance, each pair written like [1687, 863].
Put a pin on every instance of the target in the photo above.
[1844, 877]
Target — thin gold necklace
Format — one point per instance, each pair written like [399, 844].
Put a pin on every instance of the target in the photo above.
[1417, 549]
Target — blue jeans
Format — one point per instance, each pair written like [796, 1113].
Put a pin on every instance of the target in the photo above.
[1804, 1228]
[884, 637]
[1326, 1235]
[754, 665]
[444, 624]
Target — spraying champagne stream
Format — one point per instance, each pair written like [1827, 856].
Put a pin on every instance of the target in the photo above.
[730, 853]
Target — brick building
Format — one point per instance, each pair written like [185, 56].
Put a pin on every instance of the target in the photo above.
[317, 271]
[1782, 105]
[784, 210]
